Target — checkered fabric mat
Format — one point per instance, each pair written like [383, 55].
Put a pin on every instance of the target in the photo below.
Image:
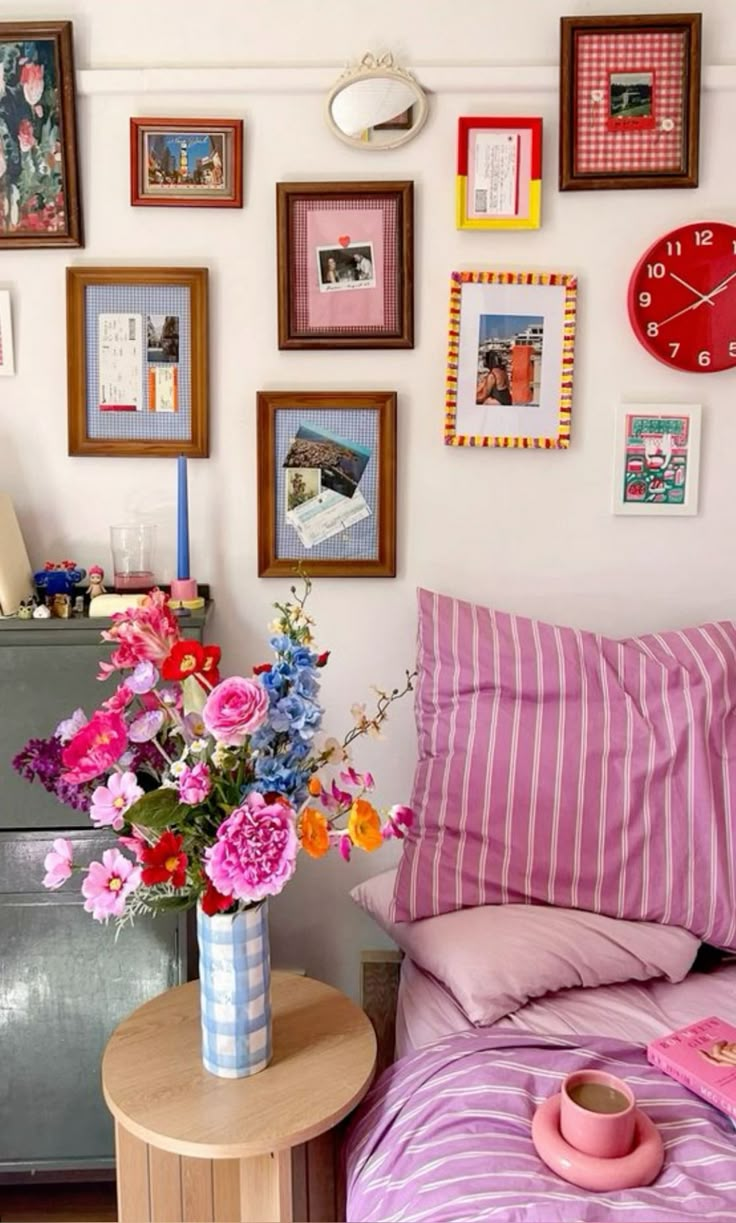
[634, 151]
[234, 991]
[358, 542]
[144, 300]
[304, 265]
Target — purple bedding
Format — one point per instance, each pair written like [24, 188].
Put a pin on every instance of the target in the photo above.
[444, 1136]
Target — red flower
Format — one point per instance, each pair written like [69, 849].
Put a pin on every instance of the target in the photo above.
[322, 659]
[262, 668]
[164, 862]
[213, 901]
[185, 658]
[212, 655]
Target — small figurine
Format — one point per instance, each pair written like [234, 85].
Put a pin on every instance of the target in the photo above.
[41, 612]
[58, 577]
[25, 609]
[61, 606]
[78, 609]
[95, 573]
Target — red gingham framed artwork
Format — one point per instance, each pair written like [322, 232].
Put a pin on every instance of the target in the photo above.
[345, 264]
[629, 101]
[511, 342]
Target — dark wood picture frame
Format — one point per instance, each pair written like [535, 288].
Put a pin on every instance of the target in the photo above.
[384, 403]
[78, 280]
[60, 33]
[138, 129]
[572, 179]
[291, 334]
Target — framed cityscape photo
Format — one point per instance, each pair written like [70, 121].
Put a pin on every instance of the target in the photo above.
[137, 361]
[186, 163]
[345, 265]
[510, 359]
[657, 459]
[499, 173]
[39, 178]
[327, 483]
[629, 101]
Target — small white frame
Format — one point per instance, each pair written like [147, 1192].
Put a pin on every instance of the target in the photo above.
[7, 358]
[634, 465]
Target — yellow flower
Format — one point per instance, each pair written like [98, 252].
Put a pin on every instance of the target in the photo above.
[314, 785]
[364, 826]
[314, 834]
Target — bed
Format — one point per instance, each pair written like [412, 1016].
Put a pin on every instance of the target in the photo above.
[574, 849]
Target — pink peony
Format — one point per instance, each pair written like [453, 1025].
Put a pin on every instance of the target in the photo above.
[194, 784]
[111, 801]
[234, 709]
[108, 884]
[58, 864]
[26, 138]
[95, 748]
[141, 634]
[255, 852]
[31, 78]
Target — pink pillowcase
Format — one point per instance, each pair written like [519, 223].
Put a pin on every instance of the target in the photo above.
[573, 770]
[494, 958]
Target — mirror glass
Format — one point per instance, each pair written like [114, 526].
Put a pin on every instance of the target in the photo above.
[376, 105]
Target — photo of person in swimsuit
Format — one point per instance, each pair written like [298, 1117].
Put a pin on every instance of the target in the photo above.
[509, 363]
[493, 385]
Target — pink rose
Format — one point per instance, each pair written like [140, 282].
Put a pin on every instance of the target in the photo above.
[254, 855]
[26, 138]
[31, 78]
[234, 709]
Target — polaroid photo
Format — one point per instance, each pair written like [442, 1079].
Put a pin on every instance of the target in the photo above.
[346, 267]
[630, 100]
[340, 461]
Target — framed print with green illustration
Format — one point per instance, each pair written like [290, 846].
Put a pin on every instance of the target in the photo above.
[657, 459]
[327, 483]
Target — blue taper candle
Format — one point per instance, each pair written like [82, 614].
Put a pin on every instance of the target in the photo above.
[182, 521]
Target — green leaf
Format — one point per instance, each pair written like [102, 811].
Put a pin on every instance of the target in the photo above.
[194, 695]
[157, 810]
[172, 904]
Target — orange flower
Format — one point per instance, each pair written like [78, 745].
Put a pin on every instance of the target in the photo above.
[314, 834]
[364, 826]
[314, 785]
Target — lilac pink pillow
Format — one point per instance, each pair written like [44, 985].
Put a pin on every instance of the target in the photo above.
[494, 958]
[567, 768]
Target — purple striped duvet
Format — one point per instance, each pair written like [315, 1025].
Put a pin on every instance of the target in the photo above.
[444, 1136]
[571, 769]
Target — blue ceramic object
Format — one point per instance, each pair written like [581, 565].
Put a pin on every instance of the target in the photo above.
[59, 581]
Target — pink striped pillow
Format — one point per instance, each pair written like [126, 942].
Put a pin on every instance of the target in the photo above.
[571, 769]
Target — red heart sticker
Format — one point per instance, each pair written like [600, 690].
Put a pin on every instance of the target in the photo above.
[344, 240]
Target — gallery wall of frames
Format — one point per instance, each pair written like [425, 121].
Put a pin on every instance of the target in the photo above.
[485, 346]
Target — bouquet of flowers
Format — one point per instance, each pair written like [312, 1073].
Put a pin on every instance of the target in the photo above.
[212, 785]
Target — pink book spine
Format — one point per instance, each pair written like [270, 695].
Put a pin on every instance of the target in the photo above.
[711, 1094]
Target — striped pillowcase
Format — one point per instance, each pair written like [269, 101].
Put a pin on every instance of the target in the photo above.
[571, 769]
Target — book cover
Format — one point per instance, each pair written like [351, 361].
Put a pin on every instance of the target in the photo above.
[703, 1058]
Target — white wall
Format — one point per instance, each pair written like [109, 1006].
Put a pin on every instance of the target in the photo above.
[526, 531]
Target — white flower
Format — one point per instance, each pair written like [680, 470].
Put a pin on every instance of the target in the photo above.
[177, 768]
[198, 745]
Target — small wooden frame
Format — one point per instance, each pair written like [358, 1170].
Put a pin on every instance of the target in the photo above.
[37, 116]
[137, 361]
[206, 176]
[629, 101]
[345, 264]
[348, 444]
[499, 173]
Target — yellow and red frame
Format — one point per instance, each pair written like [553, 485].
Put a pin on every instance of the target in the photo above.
[566, 359]
[531, 219]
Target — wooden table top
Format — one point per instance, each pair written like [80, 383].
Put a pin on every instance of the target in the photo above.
[154, 1083]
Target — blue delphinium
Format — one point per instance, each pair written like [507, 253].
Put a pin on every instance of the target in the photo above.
[284, 741]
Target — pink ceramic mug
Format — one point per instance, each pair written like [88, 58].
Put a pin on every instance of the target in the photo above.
[597, 1114]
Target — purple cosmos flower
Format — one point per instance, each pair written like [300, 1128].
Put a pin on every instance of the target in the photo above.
[58, 864]
[108, 884]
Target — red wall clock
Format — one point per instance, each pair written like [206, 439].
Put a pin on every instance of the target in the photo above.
[682, 298]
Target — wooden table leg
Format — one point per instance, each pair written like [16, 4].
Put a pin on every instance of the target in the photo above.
[265, 1188]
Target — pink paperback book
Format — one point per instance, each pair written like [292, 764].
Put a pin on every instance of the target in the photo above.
[703, 1058]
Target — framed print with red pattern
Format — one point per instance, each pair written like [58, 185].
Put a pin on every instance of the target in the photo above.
[345, 265]
[629, 101]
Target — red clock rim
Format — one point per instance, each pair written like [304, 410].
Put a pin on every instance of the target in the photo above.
[630, 303]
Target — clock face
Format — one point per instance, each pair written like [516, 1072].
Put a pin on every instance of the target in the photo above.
[682, 298]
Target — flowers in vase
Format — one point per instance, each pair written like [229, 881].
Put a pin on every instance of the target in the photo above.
[212, 787]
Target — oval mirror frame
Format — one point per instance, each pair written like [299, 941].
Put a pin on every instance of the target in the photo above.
[373, 68]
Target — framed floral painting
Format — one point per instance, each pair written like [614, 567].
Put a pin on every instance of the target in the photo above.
[39, 179]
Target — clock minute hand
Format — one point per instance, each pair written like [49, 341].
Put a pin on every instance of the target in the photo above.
[720, 286]
[685, 310]
[702, 297]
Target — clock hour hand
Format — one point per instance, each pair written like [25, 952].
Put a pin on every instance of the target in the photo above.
[702, 297]
[720, 286]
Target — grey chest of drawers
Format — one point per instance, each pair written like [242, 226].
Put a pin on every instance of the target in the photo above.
[65, 980]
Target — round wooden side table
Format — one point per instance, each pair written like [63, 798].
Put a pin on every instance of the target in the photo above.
[195, 1148]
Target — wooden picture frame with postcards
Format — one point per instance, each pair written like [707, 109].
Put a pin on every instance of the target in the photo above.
[327, 483]
[137, 361]
[345, 265]
[629, 101]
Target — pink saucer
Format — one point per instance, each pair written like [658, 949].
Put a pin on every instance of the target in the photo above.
[589, 1171]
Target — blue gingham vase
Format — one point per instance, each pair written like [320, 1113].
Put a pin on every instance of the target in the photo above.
[235, 991]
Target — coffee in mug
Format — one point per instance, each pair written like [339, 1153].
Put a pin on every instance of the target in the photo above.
[597, 1114]
[598, 1098]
